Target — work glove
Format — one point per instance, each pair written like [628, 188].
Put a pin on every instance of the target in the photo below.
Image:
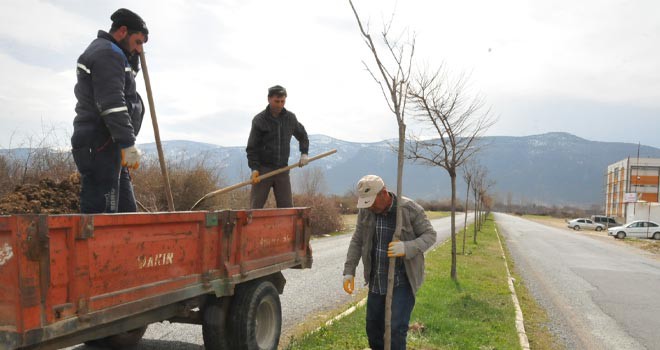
[254, 177]
[349, 284]
[130, 157]
[396, 249]
[304, 159]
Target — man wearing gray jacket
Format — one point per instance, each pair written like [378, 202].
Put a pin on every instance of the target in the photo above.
[372, 242]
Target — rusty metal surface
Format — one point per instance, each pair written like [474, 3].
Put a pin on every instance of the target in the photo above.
[110, 270]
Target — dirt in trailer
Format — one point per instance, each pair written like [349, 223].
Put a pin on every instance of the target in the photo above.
[46, 197]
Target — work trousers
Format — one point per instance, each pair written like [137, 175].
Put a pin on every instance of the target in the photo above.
[403, 301]
[281, 185]
[105, 186]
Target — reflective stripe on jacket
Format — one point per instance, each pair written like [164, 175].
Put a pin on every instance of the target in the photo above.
[108, 103]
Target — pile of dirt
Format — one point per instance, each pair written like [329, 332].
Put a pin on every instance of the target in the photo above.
[46, 197]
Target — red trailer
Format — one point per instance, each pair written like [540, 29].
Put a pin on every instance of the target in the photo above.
[68, 279]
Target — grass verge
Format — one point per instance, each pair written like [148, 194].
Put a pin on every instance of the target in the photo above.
[474, 313]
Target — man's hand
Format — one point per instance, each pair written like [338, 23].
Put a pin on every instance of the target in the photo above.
[304, 159]
[396, 249]
[349, 284]
[254, 177]
[130, 157]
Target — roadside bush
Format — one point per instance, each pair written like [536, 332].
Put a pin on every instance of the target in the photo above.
[189, 183]
[347, 203]
[565, 211]
[441, 205]
[324, 214]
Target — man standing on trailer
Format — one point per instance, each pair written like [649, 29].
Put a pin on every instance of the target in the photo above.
[268, 149]
[109, 114]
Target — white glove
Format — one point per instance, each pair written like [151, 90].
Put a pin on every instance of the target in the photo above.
[130, 157]
[349, 284]
[304, 159]
[396, 249]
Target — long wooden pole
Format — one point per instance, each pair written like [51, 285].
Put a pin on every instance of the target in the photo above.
[262, 177]
[159, 146]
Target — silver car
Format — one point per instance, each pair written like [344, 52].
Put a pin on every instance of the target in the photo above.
[586, 224]
[638, 228]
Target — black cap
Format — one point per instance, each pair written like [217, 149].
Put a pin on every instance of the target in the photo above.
[130, 19]
[276, 90]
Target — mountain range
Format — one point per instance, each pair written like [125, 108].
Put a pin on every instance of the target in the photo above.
[555, 168]
[551, 169]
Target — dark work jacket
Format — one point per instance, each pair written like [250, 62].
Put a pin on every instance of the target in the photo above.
[108, 103]
[270, 137]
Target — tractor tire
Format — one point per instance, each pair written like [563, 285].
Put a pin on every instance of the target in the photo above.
[255, 317]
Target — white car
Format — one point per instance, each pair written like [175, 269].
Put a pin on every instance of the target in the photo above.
[587, 224]
[638, 228]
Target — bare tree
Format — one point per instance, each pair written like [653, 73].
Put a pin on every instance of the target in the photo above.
[480, 188]
[469, 169]
[393, 80]
[310, 181]
[459, 123]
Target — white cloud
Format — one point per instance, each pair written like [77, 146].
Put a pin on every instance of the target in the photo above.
[212, 61]
[41, 24]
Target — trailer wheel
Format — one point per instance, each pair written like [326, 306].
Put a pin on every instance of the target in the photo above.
[214, 325]
[121, 340]
[256, 317]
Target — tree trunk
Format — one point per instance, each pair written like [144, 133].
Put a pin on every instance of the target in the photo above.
[476, 219]
[467, 197]
[453, 227]
[397, 235]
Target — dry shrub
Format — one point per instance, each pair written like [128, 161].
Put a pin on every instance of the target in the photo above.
[189, 183]
[441, 205]
[324, 214]
[36, 165]
[5, 176]
[347, 203]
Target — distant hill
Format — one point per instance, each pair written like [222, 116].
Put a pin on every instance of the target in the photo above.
[553, 168]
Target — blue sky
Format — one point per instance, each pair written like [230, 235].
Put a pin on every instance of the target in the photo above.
[589, 67]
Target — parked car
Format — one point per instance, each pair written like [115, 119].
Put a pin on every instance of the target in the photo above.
[637, 228]
[583, 223]
[608, 221]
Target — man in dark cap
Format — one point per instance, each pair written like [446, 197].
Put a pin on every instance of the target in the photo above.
[268, 149]
[109, 115]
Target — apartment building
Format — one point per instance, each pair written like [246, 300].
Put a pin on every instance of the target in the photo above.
[630, 180]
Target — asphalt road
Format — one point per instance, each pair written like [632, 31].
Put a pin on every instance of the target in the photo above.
[308, 293]
[598, 294]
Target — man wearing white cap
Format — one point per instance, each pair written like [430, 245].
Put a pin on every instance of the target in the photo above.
[372, 241]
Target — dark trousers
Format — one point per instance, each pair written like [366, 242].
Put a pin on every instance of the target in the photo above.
[403, 301]
[281, 185]
[105, 186]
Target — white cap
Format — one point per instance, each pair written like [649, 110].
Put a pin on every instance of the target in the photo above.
[368, 188]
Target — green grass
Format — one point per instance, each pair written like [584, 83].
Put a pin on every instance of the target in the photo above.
[474, 313]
